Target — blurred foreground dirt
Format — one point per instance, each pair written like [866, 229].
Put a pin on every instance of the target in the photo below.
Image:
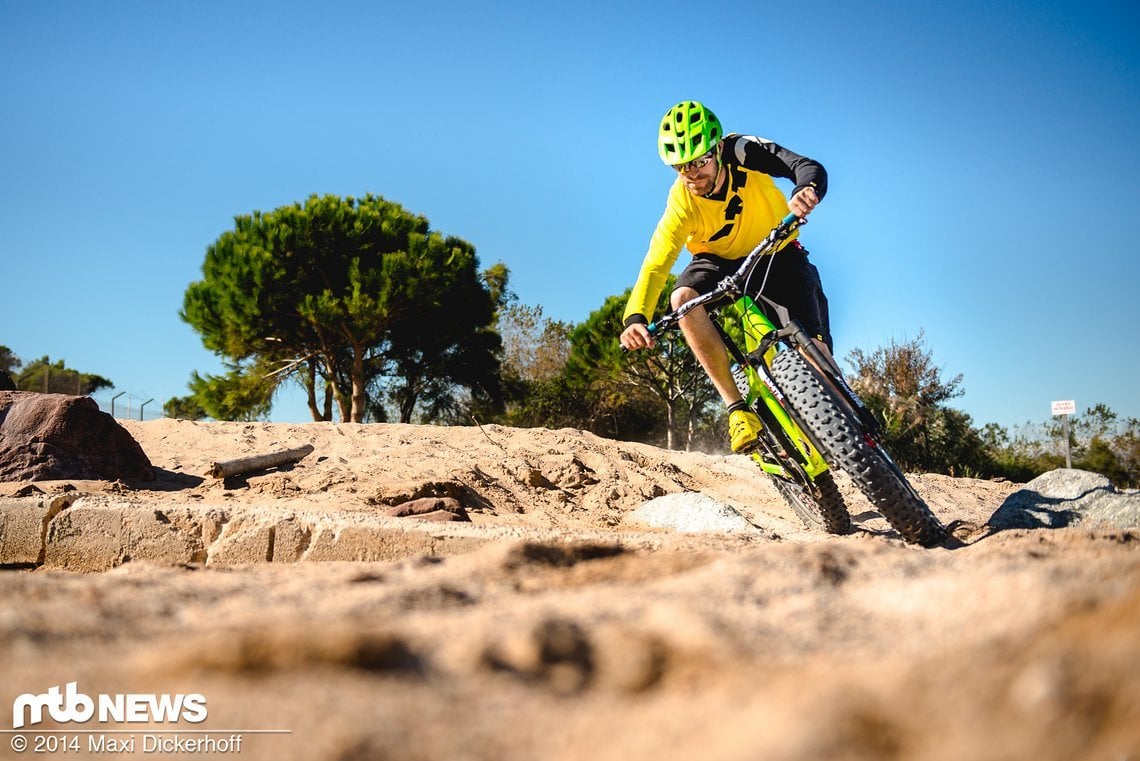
[553, 626]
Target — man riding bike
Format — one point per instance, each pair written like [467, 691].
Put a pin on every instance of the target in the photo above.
[722, 203]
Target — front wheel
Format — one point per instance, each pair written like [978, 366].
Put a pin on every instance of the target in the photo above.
[821, 508]
[843, 443]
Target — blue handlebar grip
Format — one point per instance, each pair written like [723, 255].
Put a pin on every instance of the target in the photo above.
[788, 220]
[651, 327]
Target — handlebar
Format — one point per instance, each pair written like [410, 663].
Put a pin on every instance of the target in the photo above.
[733, 283]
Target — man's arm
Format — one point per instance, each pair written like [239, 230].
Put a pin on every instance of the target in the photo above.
[668, 239]
[773, 159]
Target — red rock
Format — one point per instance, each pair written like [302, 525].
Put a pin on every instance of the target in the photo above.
[49, 437]
[430, 509]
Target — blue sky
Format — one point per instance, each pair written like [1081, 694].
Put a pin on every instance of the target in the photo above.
[983, 157]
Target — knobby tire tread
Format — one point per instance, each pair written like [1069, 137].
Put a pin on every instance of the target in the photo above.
[827, 511]
[843, 444]
[836, 518]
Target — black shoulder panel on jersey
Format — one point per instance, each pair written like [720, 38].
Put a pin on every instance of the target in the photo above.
[765, 156]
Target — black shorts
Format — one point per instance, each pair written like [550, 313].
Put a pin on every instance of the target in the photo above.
[792, 282]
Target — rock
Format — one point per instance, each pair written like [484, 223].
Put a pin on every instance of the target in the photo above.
[429, 509]
[1067, 497]
[45, 437]
[691, 512]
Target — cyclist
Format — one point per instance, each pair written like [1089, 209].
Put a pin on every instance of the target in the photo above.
[723, 202]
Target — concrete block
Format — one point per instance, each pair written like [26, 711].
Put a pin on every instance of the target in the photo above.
[381, 543]
[242, 541]
[86, 539]
[291, 540]
[94, 536]
[162, 536]
[22, 529]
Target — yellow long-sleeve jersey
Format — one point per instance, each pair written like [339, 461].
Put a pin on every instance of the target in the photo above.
[728, 224]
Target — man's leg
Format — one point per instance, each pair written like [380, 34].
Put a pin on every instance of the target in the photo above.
[796, 283]
[706, 343]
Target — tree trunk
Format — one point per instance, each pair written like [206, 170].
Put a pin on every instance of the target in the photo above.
[359, 396]
[408, 404]
[341, 399]
[333, 387]
[311, 390]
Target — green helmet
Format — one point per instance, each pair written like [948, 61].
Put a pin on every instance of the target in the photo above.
[687, 132]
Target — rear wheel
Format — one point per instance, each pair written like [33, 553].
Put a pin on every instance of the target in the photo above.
[821, 509]
[844, 444]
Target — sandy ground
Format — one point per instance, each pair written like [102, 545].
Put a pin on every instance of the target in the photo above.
[554, 626]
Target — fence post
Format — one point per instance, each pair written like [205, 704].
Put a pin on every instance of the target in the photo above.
[144, 404]
[113, 398]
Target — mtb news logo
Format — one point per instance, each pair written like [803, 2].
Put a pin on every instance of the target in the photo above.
[67, 704]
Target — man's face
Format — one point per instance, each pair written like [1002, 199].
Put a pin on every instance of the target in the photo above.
[700, 174]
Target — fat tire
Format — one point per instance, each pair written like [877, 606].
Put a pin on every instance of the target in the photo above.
[843, 443]
[826, 512]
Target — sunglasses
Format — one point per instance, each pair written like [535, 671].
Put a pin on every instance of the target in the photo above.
[698, 163]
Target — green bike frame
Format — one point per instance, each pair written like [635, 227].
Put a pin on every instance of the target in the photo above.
[762, 398]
